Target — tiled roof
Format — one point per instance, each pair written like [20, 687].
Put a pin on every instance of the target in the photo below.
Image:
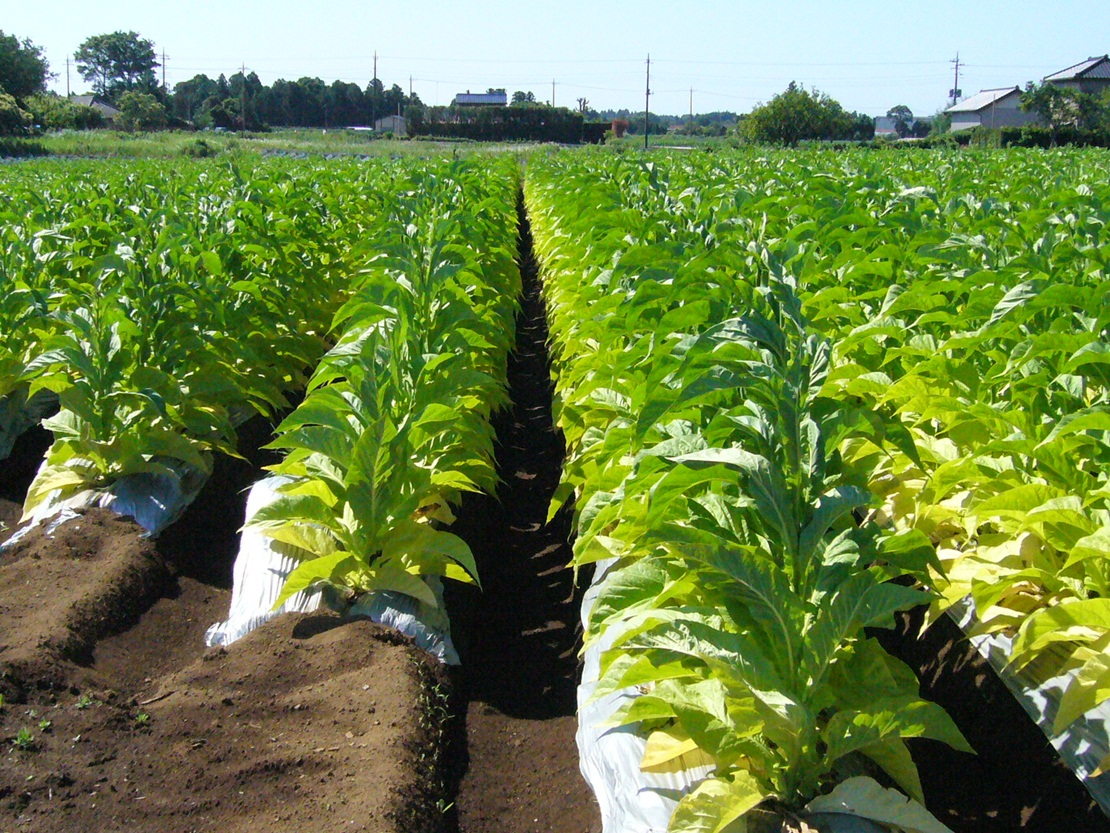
[1097, 67]
[982, 99]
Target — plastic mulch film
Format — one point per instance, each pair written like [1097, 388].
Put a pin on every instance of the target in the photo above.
[630, 800]
[262, 565]
[154, 500]
[1084, 744]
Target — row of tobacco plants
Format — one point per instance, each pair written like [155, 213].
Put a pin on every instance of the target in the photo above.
[152, 310]
[396, 423]
[801, 393]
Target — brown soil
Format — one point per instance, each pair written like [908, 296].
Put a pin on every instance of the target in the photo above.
[518, 638]
[305, 724]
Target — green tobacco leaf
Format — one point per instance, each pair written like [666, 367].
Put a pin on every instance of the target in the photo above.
[892, 754]
[720, 725]
[1088, 688]
[831, 507]
[859, 602]
[1018, 501]
[716, 803]
[911, 551]
[1015, 299]
[1095, 545]
[1088, 420]
[1075, 620]
[849, 731]
[307, 574]
[391, 577]
[418, 545]
[631, 586]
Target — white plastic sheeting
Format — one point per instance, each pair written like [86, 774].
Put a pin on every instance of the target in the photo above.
[154, 500]
[262, 565]
[1083, 744]
[630, 800]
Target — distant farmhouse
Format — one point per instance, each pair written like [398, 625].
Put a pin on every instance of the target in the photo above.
[1002, 107]
[991, 108]
[391, 124]
[109, 112]
[1090, 76]
[495, 98]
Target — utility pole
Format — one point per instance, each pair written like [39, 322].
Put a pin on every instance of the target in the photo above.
[243, 98]
[375, 65]
[552, 92]
[691, 105]
[163, 70]
[67, 77]
[410, 88]
[647, 100]
[956, 92]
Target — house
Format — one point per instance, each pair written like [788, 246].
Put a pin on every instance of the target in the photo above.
[990, 108]
[109, 112]
[885, 127]
[1089, 76]
[391, 124]
[494, 98]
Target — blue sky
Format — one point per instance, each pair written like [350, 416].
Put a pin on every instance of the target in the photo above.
[868, 55]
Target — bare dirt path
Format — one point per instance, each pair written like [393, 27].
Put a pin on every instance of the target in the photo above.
[518, 638]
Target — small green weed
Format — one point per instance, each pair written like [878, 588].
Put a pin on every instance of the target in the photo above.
[24, 740]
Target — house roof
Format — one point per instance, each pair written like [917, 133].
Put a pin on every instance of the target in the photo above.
[1097, 67]
[92, 101]
[482, 98]
[983, 99]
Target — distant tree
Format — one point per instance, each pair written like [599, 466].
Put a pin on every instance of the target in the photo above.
[1057, 107]
[395, 101]
[117, 63]
[942, 123]
[903, 119]
[583, 106]
[13, 118]
[54, 112]
[24, 70]
[796, 115]
[140, 111]
[521, 97]
[187, 101]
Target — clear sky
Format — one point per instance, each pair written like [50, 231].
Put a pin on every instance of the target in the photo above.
[868, 54]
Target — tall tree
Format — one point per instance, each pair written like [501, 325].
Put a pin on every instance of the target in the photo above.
[24, 70]
[796, 115]
[903, 119]
[117, 63]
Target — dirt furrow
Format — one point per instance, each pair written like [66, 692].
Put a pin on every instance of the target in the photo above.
[515, 754]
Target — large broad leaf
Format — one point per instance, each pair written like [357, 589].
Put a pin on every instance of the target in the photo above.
[866, 798]
[737, 658]
[892, 754]
[718, 802]
[429, 551]
[670, 750]
[849, 731]
[53, 478]
[858, 603]
[1088, 688]
[328, 569]
[830, 508]
[1077, 620]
